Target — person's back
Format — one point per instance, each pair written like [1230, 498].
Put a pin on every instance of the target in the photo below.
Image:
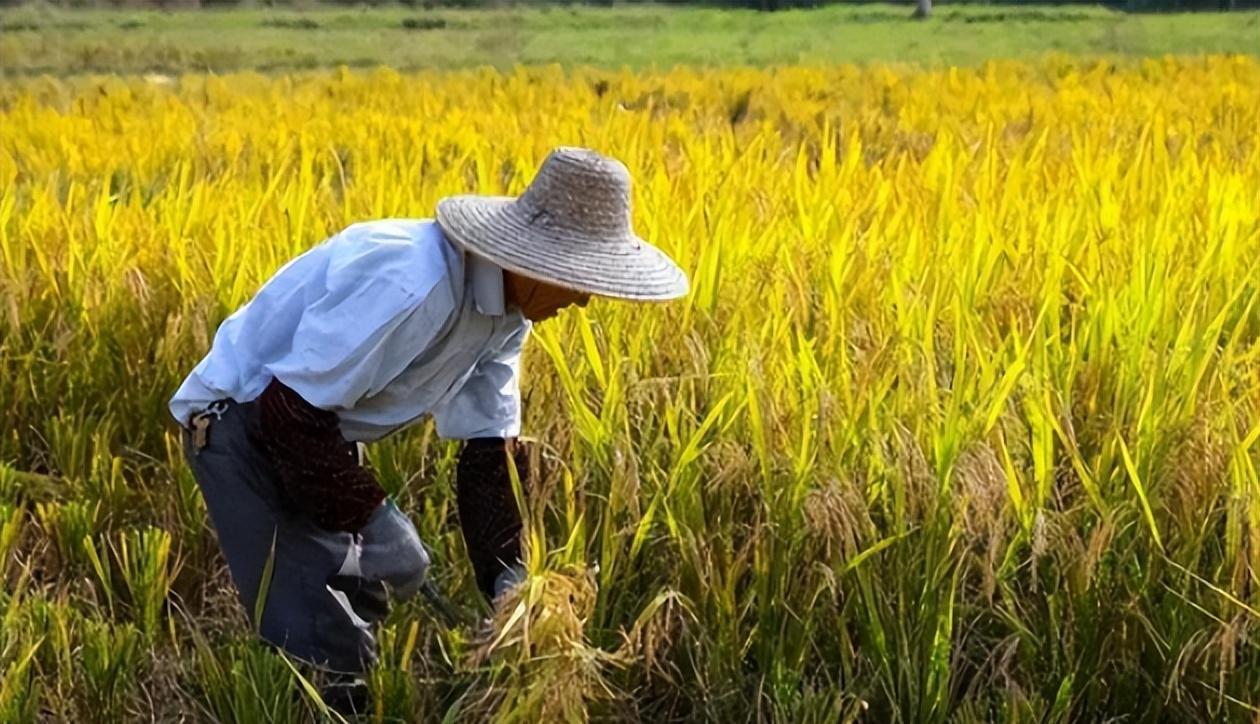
[382, 323]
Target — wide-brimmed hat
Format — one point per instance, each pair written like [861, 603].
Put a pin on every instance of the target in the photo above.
[570, 228]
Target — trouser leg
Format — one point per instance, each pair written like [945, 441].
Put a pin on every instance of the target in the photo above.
[311, 610]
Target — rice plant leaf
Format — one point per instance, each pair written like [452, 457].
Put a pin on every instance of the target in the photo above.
[1007, 385]
[517, 613]
[873, 549]
[1251, 610]
[312, 694]
[1140, 489]
[264, 582]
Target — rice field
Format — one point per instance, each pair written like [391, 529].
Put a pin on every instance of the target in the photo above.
[957, 424]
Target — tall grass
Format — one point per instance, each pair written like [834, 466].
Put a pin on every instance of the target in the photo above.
[958, 422]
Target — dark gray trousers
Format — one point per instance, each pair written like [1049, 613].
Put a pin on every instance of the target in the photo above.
[325, 588]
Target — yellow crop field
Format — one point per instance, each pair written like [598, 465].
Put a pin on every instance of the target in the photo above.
[958, 421]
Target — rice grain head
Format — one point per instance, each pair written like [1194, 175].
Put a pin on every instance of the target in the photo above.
[539, 664]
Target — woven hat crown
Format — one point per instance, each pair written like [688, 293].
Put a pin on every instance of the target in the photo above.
[571, 227]
[581, 191]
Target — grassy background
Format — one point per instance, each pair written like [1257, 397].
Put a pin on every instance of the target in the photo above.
[957, 424]
[906, 495]
[42, 40]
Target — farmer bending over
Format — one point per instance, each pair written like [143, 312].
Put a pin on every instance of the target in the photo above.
[365, 334]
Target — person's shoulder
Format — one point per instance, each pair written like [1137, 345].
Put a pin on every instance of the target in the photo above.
[409, 252]
[407, 238]
[391, 232]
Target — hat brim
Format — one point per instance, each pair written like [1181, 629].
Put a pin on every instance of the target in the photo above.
[625, 268]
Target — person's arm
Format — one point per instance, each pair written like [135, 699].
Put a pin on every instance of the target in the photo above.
[379, 299]
[317, 470]
[486, 414]
[488, 515]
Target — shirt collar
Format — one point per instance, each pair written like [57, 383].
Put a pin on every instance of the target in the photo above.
[486, 278]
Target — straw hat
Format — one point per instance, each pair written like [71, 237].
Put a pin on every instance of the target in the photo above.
[570, 228]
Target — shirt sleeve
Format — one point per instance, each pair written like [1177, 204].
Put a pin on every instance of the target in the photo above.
[489, 402]
[384, 300]
[317, 472]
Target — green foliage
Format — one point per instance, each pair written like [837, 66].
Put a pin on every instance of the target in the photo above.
[245, 681]
[395, 686]
[12, 519]
[110, 664]
[135, 573]
[424, 23]
[641, 36]
[147, 569]
[68, 524]
[19, 644]
[19, 689]
[957, 424]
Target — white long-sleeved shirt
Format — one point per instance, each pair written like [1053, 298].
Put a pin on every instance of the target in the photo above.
[382, 323]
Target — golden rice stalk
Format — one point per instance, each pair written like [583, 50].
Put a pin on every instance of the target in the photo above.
[539, 662]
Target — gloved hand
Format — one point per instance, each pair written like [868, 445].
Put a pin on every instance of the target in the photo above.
[508, 578]
[389, 549]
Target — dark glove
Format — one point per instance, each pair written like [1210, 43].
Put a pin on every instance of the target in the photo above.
[488, 516]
